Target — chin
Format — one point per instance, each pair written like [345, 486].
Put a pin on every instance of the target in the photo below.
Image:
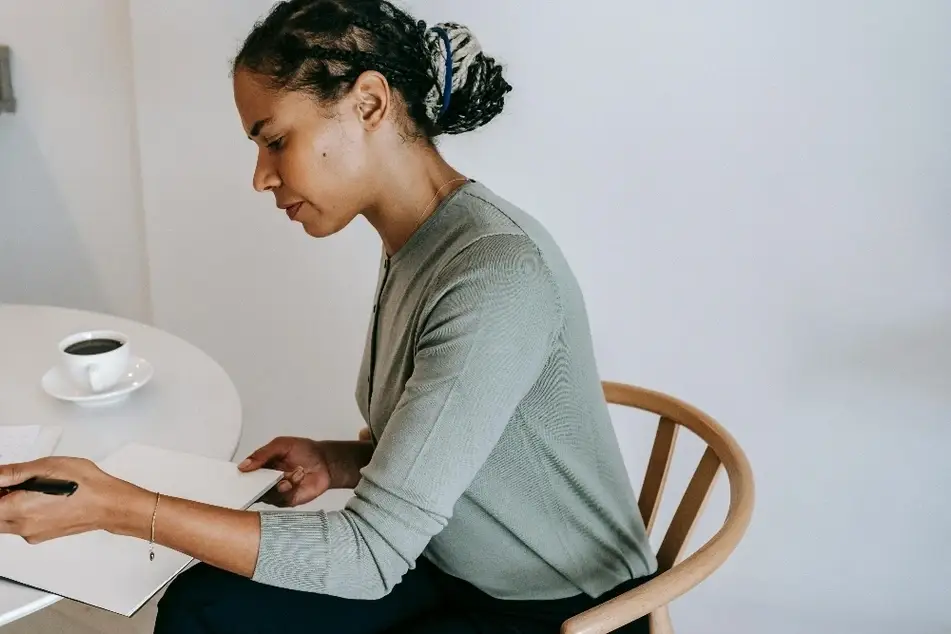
[315, 231]
[319, 225]
[318, 229]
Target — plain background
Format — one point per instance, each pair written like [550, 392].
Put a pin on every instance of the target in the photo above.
[71, 219]
[754, 196]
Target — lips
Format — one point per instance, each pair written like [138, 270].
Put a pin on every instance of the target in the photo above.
[293, 209]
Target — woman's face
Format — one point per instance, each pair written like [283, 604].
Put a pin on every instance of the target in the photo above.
[314, 159]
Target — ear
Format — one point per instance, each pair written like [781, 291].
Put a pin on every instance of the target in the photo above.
[373, 98]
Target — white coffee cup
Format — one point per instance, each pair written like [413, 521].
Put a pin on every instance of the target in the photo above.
[95, 359]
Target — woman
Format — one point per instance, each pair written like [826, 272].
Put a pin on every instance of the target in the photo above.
[492, 495]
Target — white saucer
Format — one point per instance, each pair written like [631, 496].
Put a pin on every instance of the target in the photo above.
[57, 385]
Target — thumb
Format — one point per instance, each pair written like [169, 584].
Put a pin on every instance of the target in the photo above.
[262, 456]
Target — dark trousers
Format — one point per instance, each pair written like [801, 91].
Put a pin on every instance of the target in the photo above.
[207, 600]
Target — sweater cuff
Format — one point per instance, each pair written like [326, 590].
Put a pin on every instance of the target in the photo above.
[293, 551]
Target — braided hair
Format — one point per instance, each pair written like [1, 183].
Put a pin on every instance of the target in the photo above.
[322, 46]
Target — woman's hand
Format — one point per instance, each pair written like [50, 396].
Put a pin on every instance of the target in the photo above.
[305, 467]
[99, 503]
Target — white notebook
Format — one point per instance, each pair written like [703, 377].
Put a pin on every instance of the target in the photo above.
[114, 572]
[22, 443]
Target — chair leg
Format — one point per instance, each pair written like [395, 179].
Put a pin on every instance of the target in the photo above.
[660, 621]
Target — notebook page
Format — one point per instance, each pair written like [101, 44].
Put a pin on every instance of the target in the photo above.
[18, 443]
[114, 572]
[23, 443]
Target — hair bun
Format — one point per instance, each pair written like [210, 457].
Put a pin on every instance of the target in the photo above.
[469, 90]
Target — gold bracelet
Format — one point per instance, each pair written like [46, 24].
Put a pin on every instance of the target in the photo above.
[152, 531]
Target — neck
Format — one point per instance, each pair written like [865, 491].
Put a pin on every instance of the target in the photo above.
[412, 187]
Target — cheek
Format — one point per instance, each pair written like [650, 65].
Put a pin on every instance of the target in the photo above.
[347, 156]
[328, 172]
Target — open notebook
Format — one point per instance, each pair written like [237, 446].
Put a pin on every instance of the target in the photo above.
[114, 572]
[22, 443]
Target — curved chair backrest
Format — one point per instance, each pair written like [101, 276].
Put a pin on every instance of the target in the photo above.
[675, 579]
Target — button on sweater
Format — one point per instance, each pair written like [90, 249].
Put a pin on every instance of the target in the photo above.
[495, 457]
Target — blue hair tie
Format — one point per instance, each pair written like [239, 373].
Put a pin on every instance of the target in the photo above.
[447, 89]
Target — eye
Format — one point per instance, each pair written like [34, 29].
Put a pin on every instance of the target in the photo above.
[276, 144]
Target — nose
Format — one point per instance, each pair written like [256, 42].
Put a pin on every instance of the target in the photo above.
[266, 177]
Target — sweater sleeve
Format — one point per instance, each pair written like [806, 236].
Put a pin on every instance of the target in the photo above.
[483, 341]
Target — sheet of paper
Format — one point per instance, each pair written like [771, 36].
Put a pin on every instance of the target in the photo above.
[114, 572]
[22, 443]
[17, 443]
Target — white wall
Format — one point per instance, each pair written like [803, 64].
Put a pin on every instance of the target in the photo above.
[754, 197]
[283, 314]
[70, 210]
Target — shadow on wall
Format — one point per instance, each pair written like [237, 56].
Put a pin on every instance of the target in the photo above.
[917, 356]
[867, 435]
[911, 357]
[34, 216]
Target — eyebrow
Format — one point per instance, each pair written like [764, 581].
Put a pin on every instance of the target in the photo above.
[256, 128]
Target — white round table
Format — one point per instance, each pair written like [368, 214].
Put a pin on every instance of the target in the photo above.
[190, 404]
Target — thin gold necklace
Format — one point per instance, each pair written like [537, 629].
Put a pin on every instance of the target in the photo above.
[419, 219]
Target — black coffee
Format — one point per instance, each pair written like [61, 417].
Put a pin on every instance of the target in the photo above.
[93, 346]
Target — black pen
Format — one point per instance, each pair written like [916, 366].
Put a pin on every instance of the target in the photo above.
[49, 486]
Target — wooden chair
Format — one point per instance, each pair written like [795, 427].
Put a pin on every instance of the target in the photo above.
[675, 577]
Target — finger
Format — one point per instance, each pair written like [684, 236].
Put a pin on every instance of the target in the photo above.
[14, 506]
[260, 457]
[296, 476]
[275, 498]
[283, 493]
[13, 513]
[303, 495]
[11, 474]
[308, 490]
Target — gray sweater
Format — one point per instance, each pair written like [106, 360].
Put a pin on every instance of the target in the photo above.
[495, 457]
